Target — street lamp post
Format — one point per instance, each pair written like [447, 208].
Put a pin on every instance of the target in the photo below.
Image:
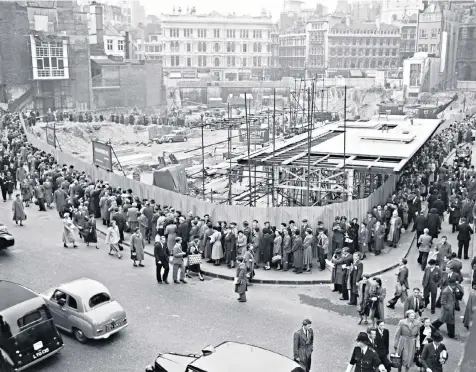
[203, 159]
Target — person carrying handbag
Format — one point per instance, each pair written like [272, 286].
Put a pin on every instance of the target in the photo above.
[194, 258]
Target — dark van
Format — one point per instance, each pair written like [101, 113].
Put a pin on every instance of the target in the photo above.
[27, 332]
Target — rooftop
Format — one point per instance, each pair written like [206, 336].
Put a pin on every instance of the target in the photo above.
[368, 147]
[84, 288]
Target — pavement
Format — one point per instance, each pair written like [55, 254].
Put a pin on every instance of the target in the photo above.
[185, 317]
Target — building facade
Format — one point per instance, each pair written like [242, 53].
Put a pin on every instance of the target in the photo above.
[408, 41]
[466, 49]
[395, 10]
[317, 40]
[362, 46]
[293, 48]
[429, 30]
[227, 48]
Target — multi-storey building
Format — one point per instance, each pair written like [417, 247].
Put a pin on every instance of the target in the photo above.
[466, 49]
[429, 30]
[362, 46]
[317, 40]
[393, 10]
[408, 32]
[226, 47]
[293, 46]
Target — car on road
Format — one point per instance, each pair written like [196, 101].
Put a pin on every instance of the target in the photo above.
[6, 239]
[228, 356]
[27, 331]
[177, 135]
[85, 308]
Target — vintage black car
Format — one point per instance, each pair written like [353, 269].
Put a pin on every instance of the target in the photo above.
[224, 358]
[6, 239]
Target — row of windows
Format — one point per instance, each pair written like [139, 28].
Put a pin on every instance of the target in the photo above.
[425, 33]
[466, 33]
[230, 34]
[316, 61]
[292, 52]
[230, 61]
[362, 52]
[291, 41]
[231, 47]
[429, 48]
[110, 45]
[345, 63]
[367, 41]
[365, 32]
[50, 63]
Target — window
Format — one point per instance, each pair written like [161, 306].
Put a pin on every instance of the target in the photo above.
[30, 318]
[243, 62]
[189, 62]
[72, 303]
[216, 33]
[99, 299]
[153, 38]
[432, 48]
[230, 47]
[415, 72]
[204, 61]
[244, 34]
[244, 48]
[423, 33]
[217, 62]
[187, 32]
[202, 32]
[110, 45]
[189, 47]
[174, 32]
[50, 60]
[433, 32]
[174, 61]
[216, 47]
[257, 34]
[230, 34]
[230, 61]
[120, 45]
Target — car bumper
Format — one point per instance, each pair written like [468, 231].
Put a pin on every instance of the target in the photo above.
[7, 242]
[109, 334]
[46, 356]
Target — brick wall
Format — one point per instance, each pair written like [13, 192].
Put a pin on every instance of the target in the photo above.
[15, 55]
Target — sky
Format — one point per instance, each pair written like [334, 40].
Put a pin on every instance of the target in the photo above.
[251, 7]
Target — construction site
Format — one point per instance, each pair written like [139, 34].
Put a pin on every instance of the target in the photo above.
[315, 145]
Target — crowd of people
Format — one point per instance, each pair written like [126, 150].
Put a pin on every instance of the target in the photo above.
[184, 240]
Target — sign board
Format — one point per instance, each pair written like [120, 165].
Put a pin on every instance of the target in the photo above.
[51, 136]
[257, 135]
[102, 155]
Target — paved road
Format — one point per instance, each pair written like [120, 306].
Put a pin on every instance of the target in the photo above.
[176, 317]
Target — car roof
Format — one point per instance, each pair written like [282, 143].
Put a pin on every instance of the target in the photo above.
[84, 288]
[13, 294]
[252, 359]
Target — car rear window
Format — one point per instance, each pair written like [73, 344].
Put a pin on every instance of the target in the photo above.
[30, 318]
[99, 299]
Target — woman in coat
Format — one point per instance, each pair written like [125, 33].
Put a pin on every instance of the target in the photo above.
[90, 232]
[113, 238]
[241, 243]
[68, 231]
[18, 210]
[377, 301]
[426, 330]
[267, 247]
[455, 214]
[137, 245]
[206, 243]
[217, 249]
[407, 339]
[307, 248]
[230, 248]
[48, 187]
[363, 307]
[394, 232]
[378, 234]
[277, 250]
[171, 234]
[26, 191]
[434, 223]
[240, 280]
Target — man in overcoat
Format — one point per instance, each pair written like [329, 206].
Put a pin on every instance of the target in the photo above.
[298, 252]
[355, 276]
[434, 354]
[464, 236]
[448, 301]
[431, 280]
[303, 345]
[162, 254]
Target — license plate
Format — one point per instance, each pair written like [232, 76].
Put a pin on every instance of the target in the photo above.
[40, 353]
[38, 345]
[113, 325]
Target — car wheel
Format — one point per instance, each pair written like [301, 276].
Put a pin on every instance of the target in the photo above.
[185, 139]
[170, 140]
[79, 335]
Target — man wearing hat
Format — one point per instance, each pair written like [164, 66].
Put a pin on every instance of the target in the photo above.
[303, 345]
[364, 358]
[434, 354]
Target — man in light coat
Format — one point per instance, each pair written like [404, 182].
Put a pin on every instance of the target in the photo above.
[303, 345]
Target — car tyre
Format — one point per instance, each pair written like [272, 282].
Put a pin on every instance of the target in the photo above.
[79, 336]
[170, 140]
[185, 139]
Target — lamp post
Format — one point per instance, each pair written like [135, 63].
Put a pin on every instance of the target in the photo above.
[203, 158]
